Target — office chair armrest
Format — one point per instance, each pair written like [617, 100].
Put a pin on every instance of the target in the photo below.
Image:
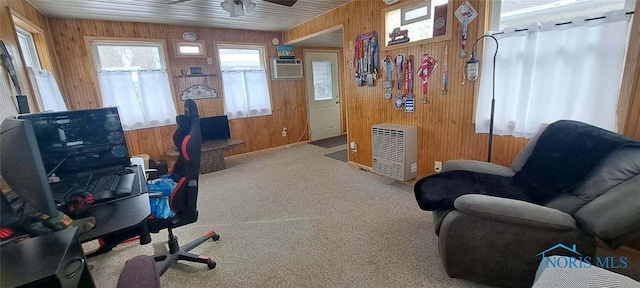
[155, 194]
[151, 173]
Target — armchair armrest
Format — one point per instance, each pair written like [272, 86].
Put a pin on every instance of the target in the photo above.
[477, 166]
[515, 212]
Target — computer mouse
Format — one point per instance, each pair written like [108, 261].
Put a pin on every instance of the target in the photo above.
[77, 201]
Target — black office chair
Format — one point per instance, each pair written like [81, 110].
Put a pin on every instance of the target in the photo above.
[184, 196]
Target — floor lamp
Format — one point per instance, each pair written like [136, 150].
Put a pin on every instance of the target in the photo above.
[473, 68]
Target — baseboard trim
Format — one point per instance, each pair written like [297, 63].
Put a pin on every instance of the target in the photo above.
[411, 182]
[286, 146]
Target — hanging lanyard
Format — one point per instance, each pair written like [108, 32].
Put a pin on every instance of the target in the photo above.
[399, 78]
[388, 66]
[410, 76]
[445, 76]
[465, 30]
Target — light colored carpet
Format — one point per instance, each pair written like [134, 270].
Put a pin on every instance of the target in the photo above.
[295, 218]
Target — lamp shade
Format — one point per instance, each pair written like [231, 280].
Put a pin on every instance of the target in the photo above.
[251, 7]
[226, 5]
[473, 69]
[237, 9]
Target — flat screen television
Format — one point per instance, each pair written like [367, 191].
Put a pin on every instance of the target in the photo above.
[215, 128]
[79, 141]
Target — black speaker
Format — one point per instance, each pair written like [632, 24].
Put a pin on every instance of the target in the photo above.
[23, 104]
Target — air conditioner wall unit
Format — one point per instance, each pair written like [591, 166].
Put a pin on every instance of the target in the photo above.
[395, 152]
[286, 69]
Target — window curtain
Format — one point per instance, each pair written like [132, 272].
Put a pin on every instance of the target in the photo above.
[551, 72]
[154, 106]
[46, 90]
[156, 98]
[246, 93]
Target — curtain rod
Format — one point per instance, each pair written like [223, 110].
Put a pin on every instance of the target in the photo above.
[565, 23]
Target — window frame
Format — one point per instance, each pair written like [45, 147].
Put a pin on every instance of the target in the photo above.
[31, 46]
[89, 40]
[265, 64]
[158, 44]
[408, 5]
[198, 43]
[495, 13]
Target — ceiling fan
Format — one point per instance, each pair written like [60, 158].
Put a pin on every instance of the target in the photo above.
[287, 3]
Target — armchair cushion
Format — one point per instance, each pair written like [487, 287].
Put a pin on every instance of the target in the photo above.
[515, 212]
[615, 216]
[622, 165]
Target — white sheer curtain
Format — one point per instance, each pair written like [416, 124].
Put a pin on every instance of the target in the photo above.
[152, 106]
[119, 90]
[155, 95]
[246, 93]
[46, 89]
[552, 72]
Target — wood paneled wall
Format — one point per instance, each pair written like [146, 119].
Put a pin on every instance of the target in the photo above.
[631, 82]
[445, 124]
[8, 35]
[80, 86]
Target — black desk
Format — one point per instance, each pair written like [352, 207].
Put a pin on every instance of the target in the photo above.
[121, 219]
[51, 260]
[120, 214]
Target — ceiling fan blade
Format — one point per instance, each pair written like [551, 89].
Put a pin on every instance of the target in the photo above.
[287, 3]
[177, 1]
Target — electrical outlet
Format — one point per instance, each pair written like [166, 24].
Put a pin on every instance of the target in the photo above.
[284, 132]
[437, 167]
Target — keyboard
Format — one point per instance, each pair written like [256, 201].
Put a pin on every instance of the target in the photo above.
[106, 183]
[112, 187]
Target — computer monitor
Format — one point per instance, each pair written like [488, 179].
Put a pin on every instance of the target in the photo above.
[22, 166]
[215, 128]
[78, 141]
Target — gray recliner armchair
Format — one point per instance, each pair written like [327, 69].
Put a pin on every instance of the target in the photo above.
[497, 241]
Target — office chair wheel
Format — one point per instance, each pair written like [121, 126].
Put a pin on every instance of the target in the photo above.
[215, 238]
[211, 264]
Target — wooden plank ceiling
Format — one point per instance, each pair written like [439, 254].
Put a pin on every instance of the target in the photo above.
[204, 13]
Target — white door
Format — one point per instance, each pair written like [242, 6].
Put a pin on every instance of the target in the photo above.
[323, 94]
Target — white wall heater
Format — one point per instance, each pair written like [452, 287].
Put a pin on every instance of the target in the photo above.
[395, 150]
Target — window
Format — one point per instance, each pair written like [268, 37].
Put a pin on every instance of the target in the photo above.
[570, 68]
[45, 87]
[322, 80]
[244, 79]
[518, 13]
[133, 77]
[418, 19]
[415, 14]
[190, 49]
[29, 52]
